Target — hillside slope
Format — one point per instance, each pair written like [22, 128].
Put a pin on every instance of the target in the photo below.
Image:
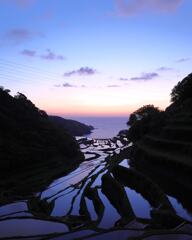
[28, 137]
[73, 127]
[170, 144]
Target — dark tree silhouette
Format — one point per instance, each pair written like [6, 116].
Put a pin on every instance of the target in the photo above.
[2, 89]
[183, 90]
[144, 120]
[145, 111]
[28, 137]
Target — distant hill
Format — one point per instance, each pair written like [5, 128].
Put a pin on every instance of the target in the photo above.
[73, 127]
[28, 137]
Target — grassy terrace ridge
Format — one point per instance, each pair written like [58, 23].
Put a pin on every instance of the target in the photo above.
[178, 121]
[178, 128]
[183, 133]
[163, 155]
[182, 115]
[154, 140]
[168, 145]
[165, 136]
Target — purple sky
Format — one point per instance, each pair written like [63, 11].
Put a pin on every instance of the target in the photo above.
[98, 57]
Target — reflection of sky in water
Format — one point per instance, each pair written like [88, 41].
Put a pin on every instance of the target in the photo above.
[97, 181]
[63, 204]
[13, 207]
[75, 177]
[179, 209]
[140, 206]
[124, 163]
[110, 213]
[88, 155]
[91, 210]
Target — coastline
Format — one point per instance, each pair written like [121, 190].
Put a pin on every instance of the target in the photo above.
[104, 127]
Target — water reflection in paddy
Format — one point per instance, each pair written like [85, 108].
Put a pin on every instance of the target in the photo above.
[57, 208]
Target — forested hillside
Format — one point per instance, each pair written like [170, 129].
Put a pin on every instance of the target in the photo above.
[164, 137]
[73, 127]
[28, 137]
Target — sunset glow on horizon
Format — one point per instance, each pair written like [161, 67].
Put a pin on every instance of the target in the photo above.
[94, 58]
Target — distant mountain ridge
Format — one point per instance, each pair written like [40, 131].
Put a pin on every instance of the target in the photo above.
[73, 127]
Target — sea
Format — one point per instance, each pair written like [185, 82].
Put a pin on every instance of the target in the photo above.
[104, 127]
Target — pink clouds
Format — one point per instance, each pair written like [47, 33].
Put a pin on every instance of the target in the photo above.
[81, 71]
[145, 77]
[133, 7]
[181, 60]
[29, 53]
[68, 85]
[113, 86]
[49, 55]
[20, 35]
[163, 69]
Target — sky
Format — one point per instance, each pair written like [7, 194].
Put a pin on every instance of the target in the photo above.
[95, 57]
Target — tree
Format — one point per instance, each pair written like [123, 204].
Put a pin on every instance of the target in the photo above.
[20, 96]
[145, 111]
[183, 90]
[2, 89]
[27, 137]
[144, 120]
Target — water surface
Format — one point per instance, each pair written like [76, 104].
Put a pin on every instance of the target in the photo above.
[105, 127]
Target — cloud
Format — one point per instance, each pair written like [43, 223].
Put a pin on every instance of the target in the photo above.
[145, 77]
[124, 79]
[65, 85]
[50, 55]
[113, 86]
[81, 71]
[183, 60]
[20, 35]
[133, 7]
[19, 3]
[29, 53]
[164, 69]
[68, 85]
